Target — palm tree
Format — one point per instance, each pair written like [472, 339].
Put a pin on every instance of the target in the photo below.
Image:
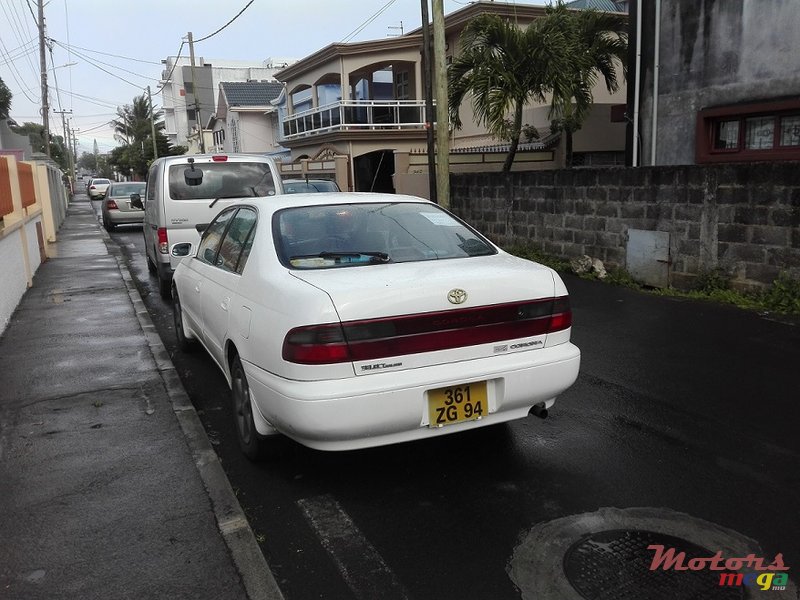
[133, 124]
[505, 67]
[597, 42]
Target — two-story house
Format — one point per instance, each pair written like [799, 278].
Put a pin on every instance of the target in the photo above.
[366, 101]
[245, 119]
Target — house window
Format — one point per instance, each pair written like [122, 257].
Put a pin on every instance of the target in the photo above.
[190, 114]
[759, 133]
[189, 87]
[790, 131]
[402, 85]
[765, 131]
[726, 135]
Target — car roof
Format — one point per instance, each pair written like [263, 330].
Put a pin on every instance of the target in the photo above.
[281, 201]
[208, 158]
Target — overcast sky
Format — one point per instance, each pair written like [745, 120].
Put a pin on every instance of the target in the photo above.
[141, 33]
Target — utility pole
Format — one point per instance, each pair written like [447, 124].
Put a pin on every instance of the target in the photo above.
[66, 143]
[429, 117]
[153, 124]
[442, 117]
[194, 93]
[43, 68]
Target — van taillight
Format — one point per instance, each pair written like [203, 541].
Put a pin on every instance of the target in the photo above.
[163, 244]
[427, 332]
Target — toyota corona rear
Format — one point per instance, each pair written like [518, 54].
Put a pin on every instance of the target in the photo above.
[350, 321]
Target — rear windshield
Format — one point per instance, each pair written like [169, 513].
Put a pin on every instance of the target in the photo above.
[100, 182]
[304, 187]
[342, 235]
[222, 180]
[126, 189]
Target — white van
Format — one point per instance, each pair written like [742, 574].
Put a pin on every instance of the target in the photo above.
[184, 192]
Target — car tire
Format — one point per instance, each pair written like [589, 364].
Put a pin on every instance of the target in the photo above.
[109, 227]
[251, 443]
[184, 344]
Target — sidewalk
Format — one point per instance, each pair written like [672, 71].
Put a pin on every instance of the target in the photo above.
[109, 487]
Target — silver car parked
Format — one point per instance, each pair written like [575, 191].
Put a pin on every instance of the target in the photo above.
[116, 205]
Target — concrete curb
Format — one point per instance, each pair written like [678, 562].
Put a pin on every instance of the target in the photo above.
[259, 583]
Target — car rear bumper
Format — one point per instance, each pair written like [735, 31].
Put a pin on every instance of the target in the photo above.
[119, 217]
[387, 408]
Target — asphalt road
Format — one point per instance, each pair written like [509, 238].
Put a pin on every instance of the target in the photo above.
[685, 407]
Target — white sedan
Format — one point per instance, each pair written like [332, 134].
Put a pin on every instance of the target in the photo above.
[347, 320]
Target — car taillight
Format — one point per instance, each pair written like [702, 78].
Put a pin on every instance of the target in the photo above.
[163, 244]
[427, 332]
[91, 187]
[111, 205]
[316, 345]
[219, 158]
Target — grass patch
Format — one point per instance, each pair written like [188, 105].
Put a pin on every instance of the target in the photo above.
[782, 297]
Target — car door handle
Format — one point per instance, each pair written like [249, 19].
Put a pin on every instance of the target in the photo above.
[197, 288]
[225, 303]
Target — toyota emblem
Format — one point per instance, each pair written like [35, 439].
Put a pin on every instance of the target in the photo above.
[457, 296]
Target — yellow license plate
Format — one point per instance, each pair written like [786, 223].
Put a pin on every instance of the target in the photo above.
[454, 404]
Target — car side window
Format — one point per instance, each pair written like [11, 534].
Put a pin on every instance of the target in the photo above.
[209, 246]
[235, 247]
[152, 183]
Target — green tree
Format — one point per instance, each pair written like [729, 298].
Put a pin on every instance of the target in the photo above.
[5, 100]
[504, 67]
[597, 43]
[35, 133]
[133, 130]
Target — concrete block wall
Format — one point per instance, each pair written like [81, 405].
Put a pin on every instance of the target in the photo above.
[743, 218]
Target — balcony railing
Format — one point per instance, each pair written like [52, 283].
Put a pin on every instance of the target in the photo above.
[356, 115]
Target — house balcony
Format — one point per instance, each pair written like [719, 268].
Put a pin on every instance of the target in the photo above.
[356, 116]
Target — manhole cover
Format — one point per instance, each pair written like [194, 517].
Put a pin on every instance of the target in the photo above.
[615, 565]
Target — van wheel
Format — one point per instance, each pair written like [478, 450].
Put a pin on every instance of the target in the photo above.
[251, 443]
[165, 288]
[151, 266]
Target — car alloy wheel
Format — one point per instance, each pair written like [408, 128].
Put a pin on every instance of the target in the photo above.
[250, 441]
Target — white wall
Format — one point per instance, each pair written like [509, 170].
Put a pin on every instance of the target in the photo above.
[12, 274]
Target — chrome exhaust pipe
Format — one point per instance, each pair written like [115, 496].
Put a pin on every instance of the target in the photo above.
[538, 410]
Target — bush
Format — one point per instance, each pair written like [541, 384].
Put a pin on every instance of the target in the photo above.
[783, 296]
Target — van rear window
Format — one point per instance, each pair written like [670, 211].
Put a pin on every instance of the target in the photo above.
[222, 180]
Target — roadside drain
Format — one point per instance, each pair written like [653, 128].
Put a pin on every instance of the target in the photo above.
[644, 553]
[615, 565]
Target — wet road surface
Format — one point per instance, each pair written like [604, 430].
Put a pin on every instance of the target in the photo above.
[682, 406]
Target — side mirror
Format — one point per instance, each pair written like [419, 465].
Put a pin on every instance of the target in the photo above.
[208, 255]
[192, 176]
[136, 201]
[182, 249]
[201, 227]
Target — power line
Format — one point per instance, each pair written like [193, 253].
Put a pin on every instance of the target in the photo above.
[67, 46]
[175, 64]
[17, 75]
[226, 24]
[361, 27]
[90, 61]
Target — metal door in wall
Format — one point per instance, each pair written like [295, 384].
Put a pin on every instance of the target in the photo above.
[648, 258]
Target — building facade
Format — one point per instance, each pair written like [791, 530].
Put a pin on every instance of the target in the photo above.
[717, 82]
[188, 94]
[366, 101]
